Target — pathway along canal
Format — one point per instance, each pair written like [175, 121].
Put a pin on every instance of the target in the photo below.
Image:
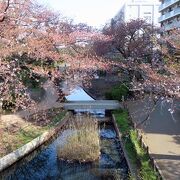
[44, 163]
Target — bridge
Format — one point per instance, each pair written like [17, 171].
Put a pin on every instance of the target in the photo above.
[92, 105]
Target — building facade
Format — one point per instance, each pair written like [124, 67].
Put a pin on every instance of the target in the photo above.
[140, 9]
[170, 14]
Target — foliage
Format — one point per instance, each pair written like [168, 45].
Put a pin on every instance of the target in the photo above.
[170, 45]
[121, 119]
[137, 155]
[101, 47]
[33, 36]
[146, 171]
[33, 80]
[117, 93]
[8, 106]
[132, 39]
[82, 144]
[57, 118]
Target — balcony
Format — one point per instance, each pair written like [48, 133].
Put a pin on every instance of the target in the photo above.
[169, 15]
[175, 24]
[166, 4]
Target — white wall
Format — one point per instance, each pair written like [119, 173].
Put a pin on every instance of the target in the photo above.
[143, 9]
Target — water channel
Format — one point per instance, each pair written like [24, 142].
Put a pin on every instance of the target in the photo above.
[44, 164]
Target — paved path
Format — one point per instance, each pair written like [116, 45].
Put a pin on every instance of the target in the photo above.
[161, 133]
[94, 104]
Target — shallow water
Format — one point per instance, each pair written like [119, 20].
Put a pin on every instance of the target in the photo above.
[46, 164]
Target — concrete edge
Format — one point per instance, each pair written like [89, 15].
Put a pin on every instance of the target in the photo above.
[90, 94]
[157, 166]
[131, 168]
[18, 154]
[149, 152]
[154, 161]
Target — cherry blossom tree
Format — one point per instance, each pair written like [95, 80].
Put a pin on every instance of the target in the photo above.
[131, 39]
[31, 33]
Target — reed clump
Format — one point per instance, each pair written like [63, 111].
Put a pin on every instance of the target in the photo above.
[83, 143]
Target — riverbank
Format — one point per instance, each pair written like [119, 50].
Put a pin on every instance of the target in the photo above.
[16, 131]
[24, 126]
[160, 132]
[99, 87]
[137, 156]
[159, 125]
[32, 142]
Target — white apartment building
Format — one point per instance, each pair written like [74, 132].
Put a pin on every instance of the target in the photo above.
[170, 14]
[140, 9]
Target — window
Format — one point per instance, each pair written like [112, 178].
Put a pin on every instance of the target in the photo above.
[178, 4]
[170, 9]
[170, 21]
[178, 18]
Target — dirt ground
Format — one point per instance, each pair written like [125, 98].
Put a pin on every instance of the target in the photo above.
[16, 131]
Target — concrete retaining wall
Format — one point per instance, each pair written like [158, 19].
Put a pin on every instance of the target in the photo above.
[131, 168]
[152, 160]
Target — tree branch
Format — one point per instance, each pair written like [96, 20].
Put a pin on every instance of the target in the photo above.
[5, 10]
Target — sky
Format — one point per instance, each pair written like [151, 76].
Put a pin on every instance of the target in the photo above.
[93, 12]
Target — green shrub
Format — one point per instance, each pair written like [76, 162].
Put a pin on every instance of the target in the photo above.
[117, 93]
[108, 95]
[29, 79]
[136, 153]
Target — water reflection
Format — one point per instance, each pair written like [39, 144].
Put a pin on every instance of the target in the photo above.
[78, 94]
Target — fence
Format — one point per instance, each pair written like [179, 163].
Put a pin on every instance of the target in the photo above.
[152, 161]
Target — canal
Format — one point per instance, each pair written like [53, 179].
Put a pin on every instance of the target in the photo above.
[44, 162]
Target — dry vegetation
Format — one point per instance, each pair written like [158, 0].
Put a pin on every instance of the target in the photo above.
[82, 144]
[15, 131]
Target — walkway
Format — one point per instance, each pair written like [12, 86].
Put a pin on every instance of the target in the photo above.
[93, 104]
[162, 134]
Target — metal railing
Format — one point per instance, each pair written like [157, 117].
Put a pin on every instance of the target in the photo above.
[169, 15]
[167, 3]
[175, 24]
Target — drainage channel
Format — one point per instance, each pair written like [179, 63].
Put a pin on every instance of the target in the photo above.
[44, 163]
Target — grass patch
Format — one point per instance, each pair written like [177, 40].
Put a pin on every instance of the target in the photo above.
[16, 132]
[146, 171]
[121, 119]
[11, 141]
[137, 155]
[117, 93]
[57, 118]
[131, 152]
[83, 142]
[27, 134]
